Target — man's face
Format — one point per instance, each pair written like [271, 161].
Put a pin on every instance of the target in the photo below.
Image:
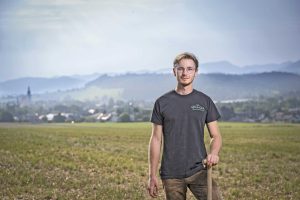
[185, 72]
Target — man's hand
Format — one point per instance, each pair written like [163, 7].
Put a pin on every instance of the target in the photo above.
[215, 143]
[153, 187]
[212, 159]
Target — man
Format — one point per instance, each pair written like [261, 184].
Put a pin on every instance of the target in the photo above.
[179, 117]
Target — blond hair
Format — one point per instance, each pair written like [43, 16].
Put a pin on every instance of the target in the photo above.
[185, 55]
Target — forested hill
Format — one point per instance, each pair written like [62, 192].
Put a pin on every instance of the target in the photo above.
[149, 86]
[218, 86]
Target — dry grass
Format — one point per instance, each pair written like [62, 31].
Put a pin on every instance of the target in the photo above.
[109, 161]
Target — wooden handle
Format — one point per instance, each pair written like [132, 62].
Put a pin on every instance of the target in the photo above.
[209, 182]
[209, 179]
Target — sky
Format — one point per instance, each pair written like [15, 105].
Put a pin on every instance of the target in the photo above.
[48, 38]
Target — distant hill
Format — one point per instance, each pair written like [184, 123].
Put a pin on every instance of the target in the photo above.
[149, 86]
[293, 68]
[137, 86]
[228, 68]
[39, 85]
[218, 86]
[266, 68]
[222, 80]
[219, 67]
[224, 87]
[87, 77]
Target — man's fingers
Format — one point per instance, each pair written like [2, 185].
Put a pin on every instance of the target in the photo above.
[212, 160]
[153, 191]
[150, 190]
[153, 187]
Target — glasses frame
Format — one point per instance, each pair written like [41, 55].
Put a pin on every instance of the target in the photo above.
[188, 70]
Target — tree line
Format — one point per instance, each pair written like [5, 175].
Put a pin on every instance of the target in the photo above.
[262, 109]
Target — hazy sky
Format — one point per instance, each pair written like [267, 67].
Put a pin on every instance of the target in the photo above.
[64, 37]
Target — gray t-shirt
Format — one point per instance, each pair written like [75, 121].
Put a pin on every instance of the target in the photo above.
[183, 118]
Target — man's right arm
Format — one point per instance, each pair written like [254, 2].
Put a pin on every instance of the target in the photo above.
[154, 157]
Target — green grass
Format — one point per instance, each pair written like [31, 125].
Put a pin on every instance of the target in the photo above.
[109, 161]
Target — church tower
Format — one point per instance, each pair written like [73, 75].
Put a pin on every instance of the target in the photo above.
[28, 94]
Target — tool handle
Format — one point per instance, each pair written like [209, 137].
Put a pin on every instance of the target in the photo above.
[209, 179]
[209, 182]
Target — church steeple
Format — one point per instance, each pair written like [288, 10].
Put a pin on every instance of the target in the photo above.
[28, 94]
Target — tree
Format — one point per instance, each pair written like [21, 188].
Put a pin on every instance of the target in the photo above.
[44, 119]
[124, 117]
[6, 116]
[120, 110]
[59, 118]
[227, 112]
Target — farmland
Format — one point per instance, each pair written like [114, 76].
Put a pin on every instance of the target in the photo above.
[109, 161]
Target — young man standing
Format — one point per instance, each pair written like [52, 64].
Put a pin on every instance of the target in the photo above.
[179, 117]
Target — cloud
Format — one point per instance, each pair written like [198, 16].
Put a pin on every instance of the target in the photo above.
[48, 37]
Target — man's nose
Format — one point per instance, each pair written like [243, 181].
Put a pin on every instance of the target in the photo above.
[184, 72]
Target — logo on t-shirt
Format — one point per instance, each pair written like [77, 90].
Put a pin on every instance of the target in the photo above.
[197, 107]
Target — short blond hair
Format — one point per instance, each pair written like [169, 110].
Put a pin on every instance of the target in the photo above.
[185, 55]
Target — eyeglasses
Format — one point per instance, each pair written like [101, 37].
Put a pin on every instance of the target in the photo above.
[188, 70]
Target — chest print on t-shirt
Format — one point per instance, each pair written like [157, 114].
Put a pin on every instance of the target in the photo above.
[197, 107]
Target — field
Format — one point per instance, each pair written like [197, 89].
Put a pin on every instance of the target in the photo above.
[109, 161]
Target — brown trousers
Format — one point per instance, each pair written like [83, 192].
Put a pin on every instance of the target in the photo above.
[176, 189]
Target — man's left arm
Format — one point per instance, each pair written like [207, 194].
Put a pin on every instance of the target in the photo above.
[215, 143]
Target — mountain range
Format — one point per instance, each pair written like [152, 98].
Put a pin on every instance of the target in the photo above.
[226, 67]
[221, 81]
[218, 86]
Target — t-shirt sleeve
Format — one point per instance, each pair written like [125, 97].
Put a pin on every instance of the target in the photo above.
[156, 116]
[212, 112]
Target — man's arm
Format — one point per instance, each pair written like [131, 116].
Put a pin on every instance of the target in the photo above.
[215, 143]
[154, 156]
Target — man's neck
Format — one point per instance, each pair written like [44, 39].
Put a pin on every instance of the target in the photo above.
[184, 90]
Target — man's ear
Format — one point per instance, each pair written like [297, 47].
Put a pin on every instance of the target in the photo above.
[174, 71]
